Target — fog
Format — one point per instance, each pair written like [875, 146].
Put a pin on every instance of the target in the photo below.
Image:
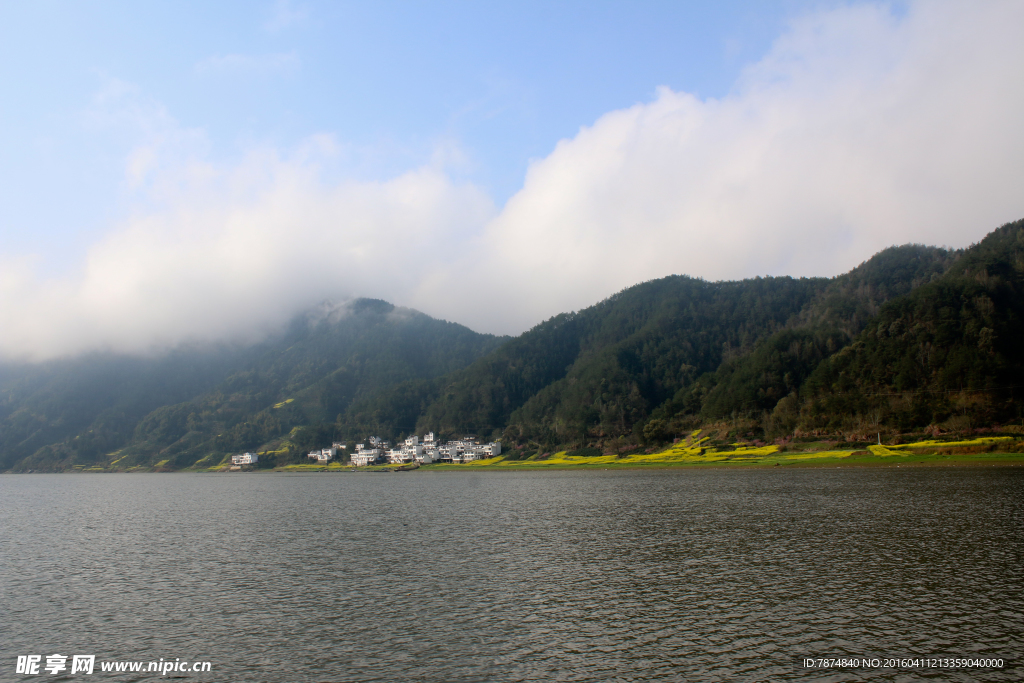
[859, 129]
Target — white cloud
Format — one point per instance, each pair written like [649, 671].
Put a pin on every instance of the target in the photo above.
[238, 252]
[858, 130]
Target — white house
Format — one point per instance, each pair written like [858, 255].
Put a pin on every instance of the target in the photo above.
[324, 454]
[412, 450]
[427, 451]
[463, 450]
[364, 456]
[244, 459]
[469, 453]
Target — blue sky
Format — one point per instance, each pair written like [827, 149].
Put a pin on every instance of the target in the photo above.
[182, 171]
[501, 82]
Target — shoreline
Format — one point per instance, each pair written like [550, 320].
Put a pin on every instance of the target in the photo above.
[1017, 460]
[680, 456]
[912, 460]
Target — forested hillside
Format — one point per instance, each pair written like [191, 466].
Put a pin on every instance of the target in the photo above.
[948, 353]
[916, 338]
[199, 404]
[669, 348]
[615, 358]
[92, 403]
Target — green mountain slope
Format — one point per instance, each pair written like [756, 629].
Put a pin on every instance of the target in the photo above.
[95, 401]
[663, 349]
[606, 365]
[142, 412]
[915, 338]
[781, 363]
[949, 352]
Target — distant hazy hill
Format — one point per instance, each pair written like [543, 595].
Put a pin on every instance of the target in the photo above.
[916, 337]
[94, 402]
[184, 407]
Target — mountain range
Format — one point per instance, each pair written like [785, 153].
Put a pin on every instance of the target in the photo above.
[917, 338]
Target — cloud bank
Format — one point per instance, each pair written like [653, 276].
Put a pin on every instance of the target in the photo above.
[858, 130]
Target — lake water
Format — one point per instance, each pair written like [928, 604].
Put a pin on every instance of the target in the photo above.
[507, 576]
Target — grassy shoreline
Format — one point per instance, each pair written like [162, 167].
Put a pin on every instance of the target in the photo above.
[803, 462]
[696, 453]
[982, 460]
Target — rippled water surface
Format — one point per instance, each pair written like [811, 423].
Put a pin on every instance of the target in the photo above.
[505, 576]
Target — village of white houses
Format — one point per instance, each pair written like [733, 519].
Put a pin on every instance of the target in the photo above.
[411, 450]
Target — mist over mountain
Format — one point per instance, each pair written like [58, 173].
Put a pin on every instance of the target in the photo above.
[916, 338]
[94, 401]
[182, 407]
